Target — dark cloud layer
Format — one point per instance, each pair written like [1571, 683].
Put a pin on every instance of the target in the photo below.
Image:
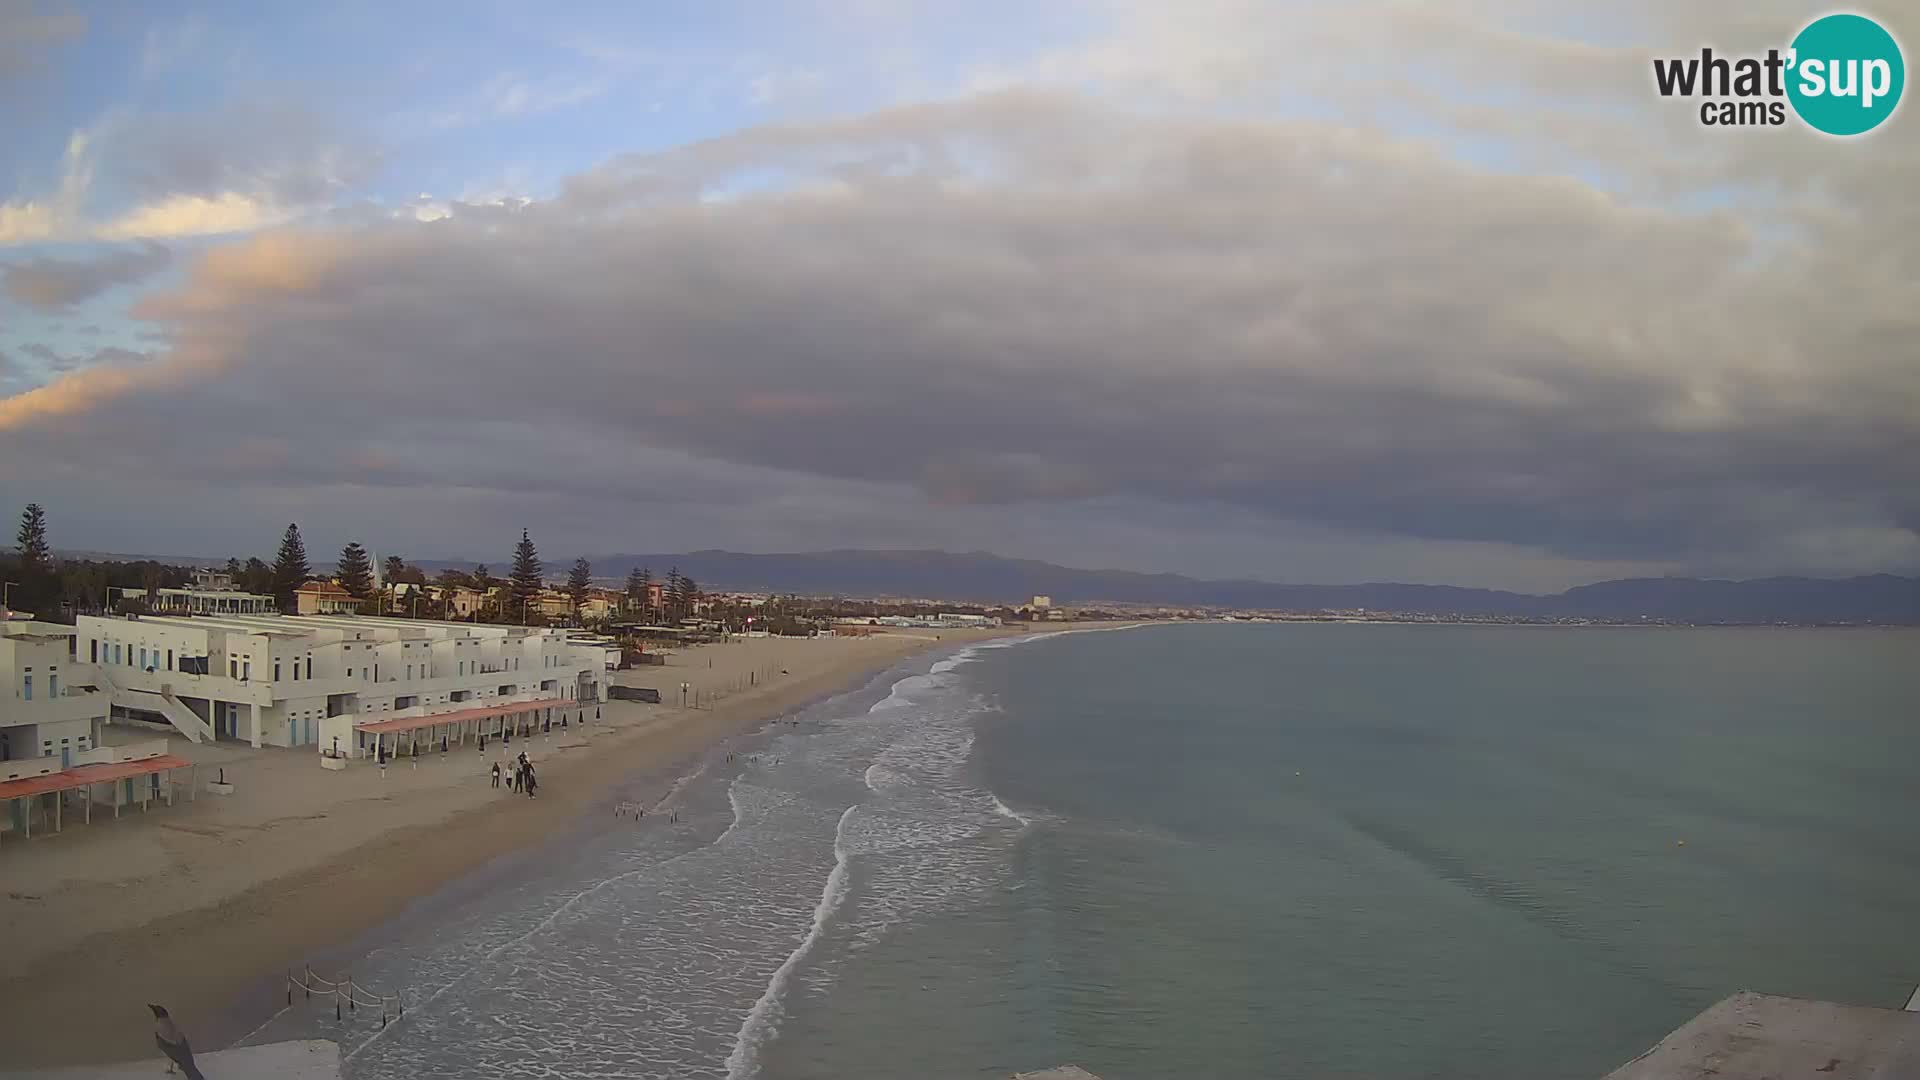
[1024, 301]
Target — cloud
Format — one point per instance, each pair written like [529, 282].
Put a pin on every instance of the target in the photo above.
[57, 284]
[1026, 300]
[192, 215]
[157, 176]
[1435, 291]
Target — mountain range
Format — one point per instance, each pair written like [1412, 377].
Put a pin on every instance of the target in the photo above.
[985, 578]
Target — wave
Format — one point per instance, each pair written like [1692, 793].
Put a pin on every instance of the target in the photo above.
[570, 904]
[1006, 811]
[744, 1060]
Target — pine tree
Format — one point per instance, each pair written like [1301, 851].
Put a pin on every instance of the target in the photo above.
[394, 568]
[233, 571]
[636, 589]
[689, 592]
[290, 570]
[670, 596]
[482, 581]
[33, 564]
[579, 583]
[35, 556]
[526, 576]
[355, 571]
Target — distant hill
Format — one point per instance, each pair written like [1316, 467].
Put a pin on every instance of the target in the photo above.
[992, 579]
[984, 578]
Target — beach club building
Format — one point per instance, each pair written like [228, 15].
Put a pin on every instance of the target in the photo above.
[52, 756]
[346, 683]
[50, 713]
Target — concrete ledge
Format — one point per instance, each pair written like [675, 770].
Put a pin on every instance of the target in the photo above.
[1758, 1035]
[314, 1059]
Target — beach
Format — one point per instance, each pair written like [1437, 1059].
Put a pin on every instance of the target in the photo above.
[198, 903]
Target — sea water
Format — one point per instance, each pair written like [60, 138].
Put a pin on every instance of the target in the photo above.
[1256, 850]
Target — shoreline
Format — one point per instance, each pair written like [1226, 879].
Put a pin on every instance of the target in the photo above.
[219, 948]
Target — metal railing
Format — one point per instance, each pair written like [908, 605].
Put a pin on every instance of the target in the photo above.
[348, 998]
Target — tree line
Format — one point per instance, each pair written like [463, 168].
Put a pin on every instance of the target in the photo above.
[57, 589]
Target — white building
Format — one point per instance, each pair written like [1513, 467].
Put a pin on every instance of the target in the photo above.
[1041, 603]
[197, 601]
[49, 714]
[275, 680]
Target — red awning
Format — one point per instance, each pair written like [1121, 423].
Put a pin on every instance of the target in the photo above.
[82, 775]
[414, 723]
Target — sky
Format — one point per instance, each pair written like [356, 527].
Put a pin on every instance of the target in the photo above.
[1308, 292]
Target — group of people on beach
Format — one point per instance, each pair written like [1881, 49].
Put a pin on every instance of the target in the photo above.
[523, 778]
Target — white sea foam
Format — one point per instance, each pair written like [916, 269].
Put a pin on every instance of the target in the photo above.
[1006, 811]
[762, 1019]
[571, 903]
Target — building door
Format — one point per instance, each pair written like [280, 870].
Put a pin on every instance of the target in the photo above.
[308, 741]
[66, 757]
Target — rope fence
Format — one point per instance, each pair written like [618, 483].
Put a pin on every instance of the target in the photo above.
[345, 993]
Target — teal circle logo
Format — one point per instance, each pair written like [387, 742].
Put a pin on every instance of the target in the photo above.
[1847, 74]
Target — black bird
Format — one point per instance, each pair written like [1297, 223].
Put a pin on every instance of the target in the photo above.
[173, 1043]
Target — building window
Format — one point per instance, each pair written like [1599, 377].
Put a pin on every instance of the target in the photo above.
[93, 650]
[233, 668]
[26, 683]
[169, 659]
[143, 658]
[246, 670]
[276, 671]
[349, 673]
[309, 667]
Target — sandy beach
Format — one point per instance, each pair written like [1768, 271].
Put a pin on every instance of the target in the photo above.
[195, 904]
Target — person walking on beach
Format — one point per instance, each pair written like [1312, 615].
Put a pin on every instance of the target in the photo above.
[496, 774]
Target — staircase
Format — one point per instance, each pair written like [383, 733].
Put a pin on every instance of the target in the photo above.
[183, 719]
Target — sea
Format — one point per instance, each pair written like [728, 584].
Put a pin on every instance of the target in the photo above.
[1252, 850]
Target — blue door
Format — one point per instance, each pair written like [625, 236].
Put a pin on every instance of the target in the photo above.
[308, 741]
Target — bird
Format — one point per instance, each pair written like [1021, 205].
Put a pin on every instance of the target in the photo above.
[173, 1043]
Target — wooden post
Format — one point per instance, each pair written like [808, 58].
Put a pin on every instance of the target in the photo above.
[89, 804]
[58, 803]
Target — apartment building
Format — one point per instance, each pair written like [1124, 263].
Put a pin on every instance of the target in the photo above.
[275, 680]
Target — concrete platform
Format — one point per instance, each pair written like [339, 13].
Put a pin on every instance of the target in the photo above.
[1761, 1037]
[315, 1059]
